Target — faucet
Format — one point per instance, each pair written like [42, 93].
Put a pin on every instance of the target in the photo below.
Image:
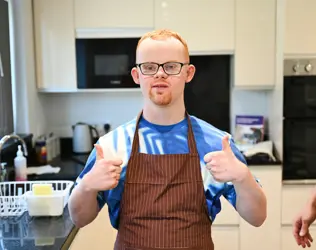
[2, 142]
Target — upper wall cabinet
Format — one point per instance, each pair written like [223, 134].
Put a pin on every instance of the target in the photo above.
[300, 22]
[55, 45]
[206, 25]
[255, 47]
[97, 14]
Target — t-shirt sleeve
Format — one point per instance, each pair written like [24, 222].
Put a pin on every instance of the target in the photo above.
[229, 191]
[101, 197]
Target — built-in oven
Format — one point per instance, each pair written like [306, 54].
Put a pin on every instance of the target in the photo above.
[105, 63]
[299, 121]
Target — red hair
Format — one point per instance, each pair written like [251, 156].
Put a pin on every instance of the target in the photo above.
[162, 34]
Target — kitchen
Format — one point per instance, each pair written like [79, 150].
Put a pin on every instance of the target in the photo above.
[45, 85]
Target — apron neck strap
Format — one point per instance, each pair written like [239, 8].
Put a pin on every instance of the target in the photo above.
[191, 140]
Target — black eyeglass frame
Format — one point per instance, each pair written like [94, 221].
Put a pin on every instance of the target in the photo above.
[160, 65]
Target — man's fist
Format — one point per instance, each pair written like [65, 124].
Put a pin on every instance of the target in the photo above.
[105, 173]
[224, 165]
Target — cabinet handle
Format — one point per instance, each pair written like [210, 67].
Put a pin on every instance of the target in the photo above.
[1, 67]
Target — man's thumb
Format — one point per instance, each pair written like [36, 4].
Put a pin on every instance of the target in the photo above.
[304, 228]
[99, 151]
[225, 143]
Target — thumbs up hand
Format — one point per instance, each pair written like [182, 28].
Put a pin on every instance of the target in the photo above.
[224, 165]
[105, 173]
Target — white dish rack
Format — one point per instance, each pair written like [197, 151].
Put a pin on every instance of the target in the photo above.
[17, 198]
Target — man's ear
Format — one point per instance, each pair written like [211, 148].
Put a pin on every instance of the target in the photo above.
[135, 75]
[190, 73]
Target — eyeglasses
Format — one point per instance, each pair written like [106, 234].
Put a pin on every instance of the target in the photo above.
[170, 68]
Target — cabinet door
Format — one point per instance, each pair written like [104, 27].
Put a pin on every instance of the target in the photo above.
[96, 14]
[55, 45]
[288, 241]
[228, 216]
[267, 235]
[206, 25]
[255, 46]
[99, 234]
[300, 22]
[294, 197]
[225, 238]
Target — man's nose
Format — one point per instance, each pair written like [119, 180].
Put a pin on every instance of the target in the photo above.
[161, 72]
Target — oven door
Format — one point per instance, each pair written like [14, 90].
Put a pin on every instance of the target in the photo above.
[299, 149]
[300, 96]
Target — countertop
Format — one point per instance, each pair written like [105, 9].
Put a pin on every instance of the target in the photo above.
[70, 168]
[38, 233]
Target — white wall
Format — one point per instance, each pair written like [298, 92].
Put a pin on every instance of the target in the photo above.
[64, 110]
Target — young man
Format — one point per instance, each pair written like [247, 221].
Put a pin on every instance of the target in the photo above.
[303, 221]
[162, 174]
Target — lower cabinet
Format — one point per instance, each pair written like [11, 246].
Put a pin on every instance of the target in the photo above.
[225, 237]
[268, 235]
[288, 242]
[98, 235]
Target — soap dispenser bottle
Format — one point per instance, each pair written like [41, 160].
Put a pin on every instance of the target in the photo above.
[20, 166]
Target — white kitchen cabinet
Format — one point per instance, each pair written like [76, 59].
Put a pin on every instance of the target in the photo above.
[255, 46]
[206, 25]
[98, 14]
[288, 241]
[99, 234]
[300, 22]
[225, 238]
[268, 235]
[55, 45]
[228, 216]
[294, 197]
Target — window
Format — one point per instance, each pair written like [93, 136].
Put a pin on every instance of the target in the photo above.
[6, 109]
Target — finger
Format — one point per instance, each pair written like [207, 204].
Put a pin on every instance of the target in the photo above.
[212, 163]
[211, 155]
[114, 162]
[307, 243]
[99, 151]
[115, 183]
[115, 169]
[226, 144]
[310, 238]
[304, 228]
[113, 175]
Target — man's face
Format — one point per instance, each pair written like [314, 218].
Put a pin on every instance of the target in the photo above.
[160, 87]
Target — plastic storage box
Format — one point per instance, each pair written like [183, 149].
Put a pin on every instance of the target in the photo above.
[49, 205]
[17, 198]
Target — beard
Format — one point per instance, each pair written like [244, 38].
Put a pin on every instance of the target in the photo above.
[160, 97]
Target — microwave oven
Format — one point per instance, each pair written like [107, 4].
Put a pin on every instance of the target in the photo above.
[105, 63]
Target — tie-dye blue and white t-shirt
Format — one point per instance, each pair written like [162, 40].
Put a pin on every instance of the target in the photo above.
[159, 139]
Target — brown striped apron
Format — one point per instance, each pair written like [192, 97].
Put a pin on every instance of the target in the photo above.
[163, 205]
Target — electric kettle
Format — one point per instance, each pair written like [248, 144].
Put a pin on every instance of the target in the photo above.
[82, 141]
